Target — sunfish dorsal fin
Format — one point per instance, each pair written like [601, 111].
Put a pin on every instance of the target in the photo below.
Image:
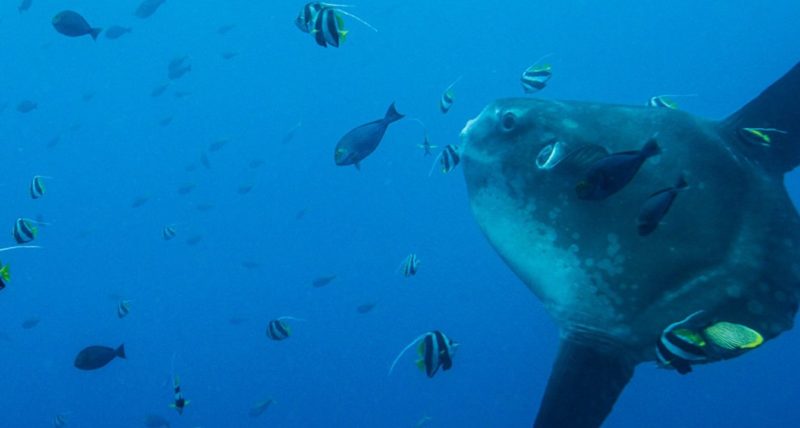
[777, 108]
[584, 384]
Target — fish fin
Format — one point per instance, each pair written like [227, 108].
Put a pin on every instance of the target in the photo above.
[420, 363]
[392, 115]
[343, 35]
[94, 32]
[120, 352]
[586, 380]
[4, 273]
[650, 148]
[778, 107]
[580, 159]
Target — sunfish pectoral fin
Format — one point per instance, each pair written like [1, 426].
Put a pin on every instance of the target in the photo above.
[776, 110]
[584, 384]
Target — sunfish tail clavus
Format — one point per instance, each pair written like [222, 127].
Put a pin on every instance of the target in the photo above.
[715, 279]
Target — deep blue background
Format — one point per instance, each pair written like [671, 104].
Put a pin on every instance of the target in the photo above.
[358, 226]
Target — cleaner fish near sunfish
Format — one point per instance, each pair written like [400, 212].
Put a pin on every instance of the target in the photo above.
[573, 198]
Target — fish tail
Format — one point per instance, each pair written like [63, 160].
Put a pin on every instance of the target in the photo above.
[392, 115]
[95, 32]
[651, 148]
[120, 352]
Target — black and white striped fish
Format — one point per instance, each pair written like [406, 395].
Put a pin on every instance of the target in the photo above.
[24, 230]
[435, 351]
[535, 78]
[168, 233]
[278, 330]
[324, 21]
[662, 101]
[410, 265]
[179, 403]
[123, 308]
[448, 159]
[305, 19]
[37, 188]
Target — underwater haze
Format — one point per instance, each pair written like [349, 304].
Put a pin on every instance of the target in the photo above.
[217, 121]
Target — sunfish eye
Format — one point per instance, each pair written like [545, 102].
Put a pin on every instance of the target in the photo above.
[508, 121]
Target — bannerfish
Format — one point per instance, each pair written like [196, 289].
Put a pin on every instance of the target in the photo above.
[535, 78]
[448, 98]
[662, 101]
[5, 276]
[729, 247]
[656, 207]
[260, 407]
[60, 420]
[147, 8]
[361, 141]
[278, 330]
[95, 357]
[168, 233]
[435, 351]
[24, 230]
[72, 24]
[123, 308]
[322, 281]
[37, 188]
[324, 21]
[448, 159]
[613, 172]
[27, 106]
[116, 31]
[178, 402]
[759, 136]
[410, 265]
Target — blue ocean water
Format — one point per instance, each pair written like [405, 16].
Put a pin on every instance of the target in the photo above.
[96, 132]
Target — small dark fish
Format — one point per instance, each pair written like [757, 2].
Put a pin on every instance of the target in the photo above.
[123, 308]
[139, 201]
[178, 402]
[535, 78]
[31, 323]
[53, 142]
[299, 215]
[204, 160]
[95, 357]
[159, 90]
[229, 55]
[72, 24]
[27, 106]
[116, 31]
[194, 240]
[155, 421]
[260, 407]
[365, 308]
[182, 94]
[204, 207]
[24, 5]
[322, 281]
[237, 320]
[612, 173]
[249, 264]
[256, 163]
[187, 188]
[147, 8]
[218, 145]
[361, 141]
[656, 207]
[178, 67]
[426, 147]
[289, 136]
[37, 188]
[88, 96]
[245, 189]
[168, 233]
[224, 29]
[410, 265]
[165, 121]
[278, 330]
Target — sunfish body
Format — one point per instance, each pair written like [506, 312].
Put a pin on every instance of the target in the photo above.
[728, 246]
[361, 141]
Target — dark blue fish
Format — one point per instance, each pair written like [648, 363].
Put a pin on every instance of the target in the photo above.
[24, 5]
[612, 173]
[363, 140]
[95, 357]
[178, 67]
[147, 8]
[116, 31]
[72, 24]
[322, 281]
[27, 106]
[656, 207]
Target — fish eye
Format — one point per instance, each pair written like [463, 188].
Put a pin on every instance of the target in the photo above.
[508, 121]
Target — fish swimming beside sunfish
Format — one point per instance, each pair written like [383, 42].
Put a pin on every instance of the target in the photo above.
[448, 159]
[410, 265]
[448, 98]
[72, 24]
[728, 248]
[178, 402]
[95, 357]
[361, 141]
[325, 22]
[435, 351]
[5, 276]
[666, 101]
[535, 78]
[759, 136]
